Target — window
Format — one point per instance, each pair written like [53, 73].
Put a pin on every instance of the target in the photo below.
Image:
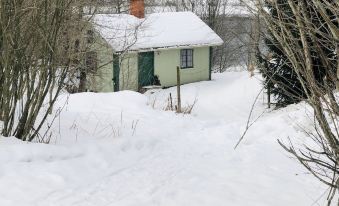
[186, 58]
[91, 61]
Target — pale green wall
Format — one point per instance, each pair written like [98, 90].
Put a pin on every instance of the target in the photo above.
[102, 80]
[128, 72]
[166, 62]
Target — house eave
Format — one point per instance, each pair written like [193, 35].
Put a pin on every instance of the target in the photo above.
[169, 48]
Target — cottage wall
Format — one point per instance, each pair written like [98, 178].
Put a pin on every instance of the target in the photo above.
[102, 80]
[166, 62]
[128, 72]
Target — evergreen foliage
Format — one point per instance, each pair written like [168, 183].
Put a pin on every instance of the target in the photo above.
[278, 73]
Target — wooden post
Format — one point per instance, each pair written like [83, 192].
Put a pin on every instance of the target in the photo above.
[178, 91]
[269, 96]
[171, 102]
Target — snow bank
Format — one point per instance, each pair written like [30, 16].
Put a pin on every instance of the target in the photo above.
[115, 149]
[98, 115]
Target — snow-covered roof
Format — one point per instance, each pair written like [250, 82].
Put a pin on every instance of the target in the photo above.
[157, 31]
[229, 8]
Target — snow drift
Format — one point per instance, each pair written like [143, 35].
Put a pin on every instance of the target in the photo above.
[115, 149]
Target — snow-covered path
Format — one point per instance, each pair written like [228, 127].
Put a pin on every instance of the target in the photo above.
[115, 149]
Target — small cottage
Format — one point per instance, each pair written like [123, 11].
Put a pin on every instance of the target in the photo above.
[146, 50]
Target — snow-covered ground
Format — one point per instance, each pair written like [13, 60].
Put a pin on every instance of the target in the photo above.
[122, 149]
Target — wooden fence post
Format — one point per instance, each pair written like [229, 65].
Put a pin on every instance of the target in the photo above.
[178, 91]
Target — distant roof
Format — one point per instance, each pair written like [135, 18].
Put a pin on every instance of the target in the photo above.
[229, 8]
[157, 31]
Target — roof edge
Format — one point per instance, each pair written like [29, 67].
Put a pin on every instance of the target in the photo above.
[170, 47]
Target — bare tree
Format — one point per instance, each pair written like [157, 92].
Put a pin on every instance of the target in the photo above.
[37, 49]
[234, 23]
[307, 32]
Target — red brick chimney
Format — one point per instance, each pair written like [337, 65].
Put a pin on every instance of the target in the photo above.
[137, 8]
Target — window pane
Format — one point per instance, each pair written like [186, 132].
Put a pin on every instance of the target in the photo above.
[190, 64]
[189, 58]
[182, 61]
[186, 58]
[183, 58]
[185, 52]
[189, 52]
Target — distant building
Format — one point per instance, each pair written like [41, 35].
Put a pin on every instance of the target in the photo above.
[147, 51]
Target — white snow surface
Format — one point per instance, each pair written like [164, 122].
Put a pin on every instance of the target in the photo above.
[242, 8]
[156, 31]
[122, 149]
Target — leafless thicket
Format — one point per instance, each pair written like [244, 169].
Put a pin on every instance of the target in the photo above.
[305, 31]
[238, 27]
[38, 49]
[231, 20]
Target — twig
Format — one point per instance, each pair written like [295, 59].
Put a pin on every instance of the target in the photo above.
[248, 125]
